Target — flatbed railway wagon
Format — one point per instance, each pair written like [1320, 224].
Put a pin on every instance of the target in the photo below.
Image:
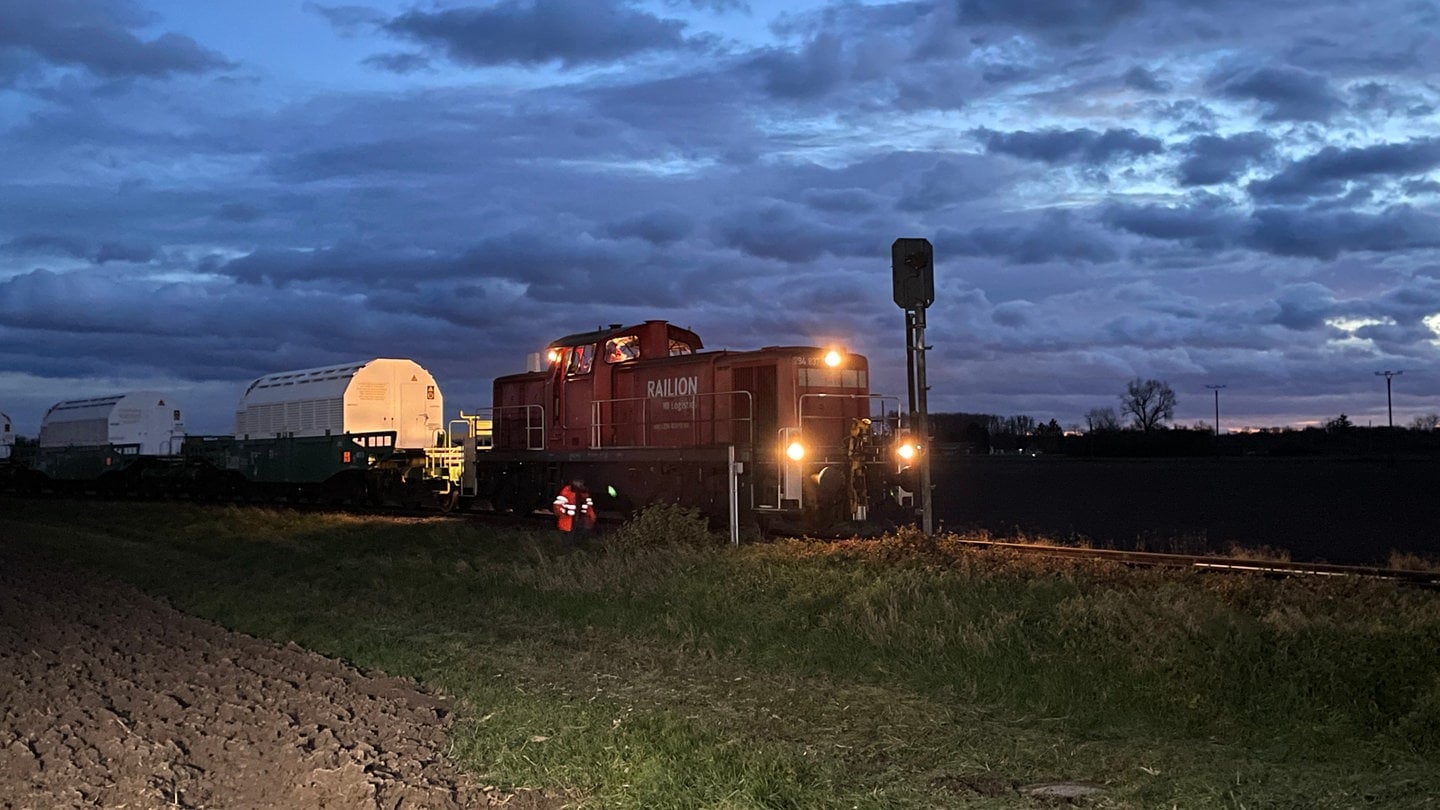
[105, 441]
[643, 415]
[357, 432]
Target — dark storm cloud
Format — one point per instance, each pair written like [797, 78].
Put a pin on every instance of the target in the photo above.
[79, 248]
[1303, 307]
[88, 303]
[1212, 159]
[1288, 94]
[46, 244]
[659, 227]
[1390, 100]
[401, 63]
[1014, 314]
[348, 20]
[1396, 337]
[1325, 172]
[541, 265]
[942, 185]
[1207, 222]
[354, 265]
[1138, 78]
[1056, 146]
[1211, 224]
[240, 212]
[422, 152]
[95, 35]
[124, 252]
[705, 115]
[783, 232]
[531, 32]
[1063, 18]
[859, 20]
[896, 57]
[1327, 234]
[83, 324]
[843, 200]
[717, 6]
[814, 70]
[1416, 298]
[1415, 188]
[1055, 236]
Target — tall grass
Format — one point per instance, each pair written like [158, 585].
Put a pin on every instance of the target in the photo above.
[680, 672]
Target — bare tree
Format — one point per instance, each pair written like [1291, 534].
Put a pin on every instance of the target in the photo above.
[1339, 424]
[1021, 425]
[1429, 421]
[1148, 402]
[1097, 419]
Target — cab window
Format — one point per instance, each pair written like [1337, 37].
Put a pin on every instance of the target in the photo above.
[620, 349]
[678, 347]
[581, 358]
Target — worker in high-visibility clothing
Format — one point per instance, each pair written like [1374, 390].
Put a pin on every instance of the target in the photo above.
[574, 512]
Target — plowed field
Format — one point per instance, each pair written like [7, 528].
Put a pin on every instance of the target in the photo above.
[112, 699]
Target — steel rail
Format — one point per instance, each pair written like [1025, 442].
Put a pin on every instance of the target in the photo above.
[1215, 563]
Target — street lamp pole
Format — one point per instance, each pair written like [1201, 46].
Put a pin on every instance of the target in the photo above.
[1389, 402]
[1216, 389]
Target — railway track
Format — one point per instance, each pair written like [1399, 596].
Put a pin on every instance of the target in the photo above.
[1426, 579]
[1202, 562]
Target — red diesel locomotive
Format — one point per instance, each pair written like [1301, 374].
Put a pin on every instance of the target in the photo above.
[644, 415]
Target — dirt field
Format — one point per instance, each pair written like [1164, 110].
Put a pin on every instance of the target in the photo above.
[112, 699]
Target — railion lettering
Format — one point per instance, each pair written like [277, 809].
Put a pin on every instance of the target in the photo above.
[673, 387]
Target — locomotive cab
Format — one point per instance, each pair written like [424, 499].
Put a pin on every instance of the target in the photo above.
[582, 375]
[554, 406]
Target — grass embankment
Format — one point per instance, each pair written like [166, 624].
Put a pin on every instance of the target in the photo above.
[887, 673]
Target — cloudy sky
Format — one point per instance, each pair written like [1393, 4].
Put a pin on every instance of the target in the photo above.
[1207, 192]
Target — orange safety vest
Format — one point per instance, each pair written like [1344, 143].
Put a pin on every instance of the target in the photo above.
[567, 504]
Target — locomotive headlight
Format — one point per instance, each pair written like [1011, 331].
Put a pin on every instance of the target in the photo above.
[906, 449]
[795, 450]
[833, 358]
[553, 356]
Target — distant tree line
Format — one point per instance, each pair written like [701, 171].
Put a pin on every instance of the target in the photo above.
[1139, 427]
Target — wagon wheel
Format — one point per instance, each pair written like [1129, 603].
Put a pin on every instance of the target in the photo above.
[446, 501]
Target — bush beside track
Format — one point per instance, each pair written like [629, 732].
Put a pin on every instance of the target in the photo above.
[898, 672]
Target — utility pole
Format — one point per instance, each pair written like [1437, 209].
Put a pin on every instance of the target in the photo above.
[1216, 389]
[912, 264]
[1389, 402]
